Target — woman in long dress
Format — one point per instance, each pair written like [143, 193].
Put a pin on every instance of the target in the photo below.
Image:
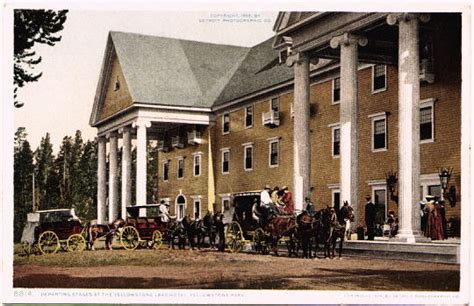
[288, 200]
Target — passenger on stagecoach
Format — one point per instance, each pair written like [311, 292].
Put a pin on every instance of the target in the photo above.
[309, 207]
[164, 212]
[288, 200]
[276, 199]
[256, 215]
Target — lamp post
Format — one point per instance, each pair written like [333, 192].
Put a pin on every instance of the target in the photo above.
[392, 179]
[444, 177]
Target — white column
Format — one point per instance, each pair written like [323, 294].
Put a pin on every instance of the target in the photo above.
[349, 159]
[126, 170]
[101, 181]
[301, 130]
[113, 178]
[141, 127]
[408, 126]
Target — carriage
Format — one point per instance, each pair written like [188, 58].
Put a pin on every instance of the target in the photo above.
[47, 231]
[243, 229]
[145, 231]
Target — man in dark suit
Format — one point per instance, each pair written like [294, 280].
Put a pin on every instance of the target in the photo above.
[369, 218]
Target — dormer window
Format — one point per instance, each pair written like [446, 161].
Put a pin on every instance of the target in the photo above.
[117, 84]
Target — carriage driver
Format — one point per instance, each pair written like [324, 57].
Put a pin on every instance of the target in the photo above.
[266, 202]
[164, 213]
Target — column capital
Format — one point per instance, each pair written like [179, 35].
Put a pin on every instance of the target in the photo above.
[393, 19]
[124, 129]
[299, 58]
[112, 134]
[141, 123]
[348, 39]
[100, 138]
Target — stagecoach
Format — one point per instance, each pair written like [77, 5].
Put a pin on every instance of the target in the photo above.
[145, 229]
[243, 228]
[47, 231]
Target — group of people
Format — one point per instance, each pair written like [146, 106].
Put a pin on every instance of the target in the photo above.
[433, 218]
[274, 201]
[370, 216]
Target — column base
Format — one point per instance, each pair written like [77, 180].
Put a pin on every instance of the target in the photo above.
[410, 237]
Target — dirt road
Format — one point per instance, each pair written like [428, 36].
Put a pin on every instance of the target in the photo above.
[210, 269]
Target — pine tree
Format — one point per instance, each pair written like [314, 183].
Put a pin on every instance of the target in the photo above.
[30, 27]
[22, 181]
[47, 181]
[62, 167]
[87, 185]
[152, 174]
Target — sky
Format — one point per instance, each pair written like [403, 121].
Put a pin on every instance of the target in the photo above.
[61, 101]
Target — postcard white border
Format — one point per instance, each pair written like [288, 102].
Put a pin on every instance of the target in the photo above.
[17, 295]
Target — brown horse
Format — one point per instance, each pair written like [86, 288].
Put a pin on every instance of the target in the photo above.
[96, 231]
[278, 227]
[331, 231]
[308, 228]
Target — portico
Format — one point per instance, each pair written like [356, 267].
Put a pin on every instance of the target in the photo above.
[352, 38]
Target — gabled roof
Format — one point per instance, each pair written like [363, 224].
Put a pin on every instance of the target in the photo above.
[259, 70]
[176, 72]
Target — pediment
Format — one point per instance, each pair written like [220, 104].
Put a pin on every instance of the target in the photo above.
[113, 94]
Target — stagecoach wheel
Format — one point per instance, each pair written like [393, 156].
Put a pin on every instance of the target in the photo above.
[26, 248]
[235, 245]
[129, 238]
[234, 231]
[260, 242]
[157, 240]
[48, 243]
[76, 243]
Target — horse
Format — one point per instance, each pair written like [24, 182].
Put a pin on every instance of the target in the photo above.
[193, 229]
[175, 231]
[346, 216]
[279, 226]
[208, 229]
[331, 231]
[96, 231]
[308, 228]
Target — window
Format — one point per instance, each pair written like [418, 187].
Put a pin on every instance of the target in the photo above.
[275, 104]
[117, 84]
[249, 116]
[426, 123]
[248, 157]
[197, 208]
[336, 141]
[197, 164]
[180, 167]
[336, 90]
[166, 167]
[225, 161]
[180, 207]
[434, 190]
[379, 78]
[273, 151]
[225, 124]
[336, 199]
[226, 204]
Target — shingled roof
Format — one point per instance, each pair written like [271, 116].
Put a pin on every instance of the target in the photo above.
[168, 71]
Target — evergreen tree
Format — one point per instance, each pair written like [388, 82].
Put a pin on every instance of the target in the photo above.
[22, 181]
[152, 174]
[47, 181]
[87, 184]
[63, 169]
[30, 27]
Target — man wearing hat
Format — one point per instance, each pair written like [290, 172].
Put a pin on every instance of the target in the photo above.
[163, 212]
[266, 202]
[370, 218]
